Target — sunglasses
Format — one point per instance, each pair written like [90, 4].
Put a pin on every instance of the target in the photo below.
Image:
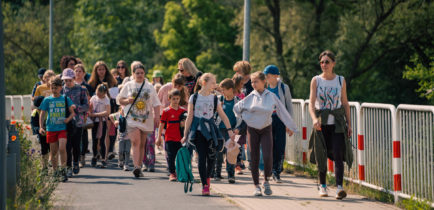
[120, 67]
[325, 62]
[181, 70]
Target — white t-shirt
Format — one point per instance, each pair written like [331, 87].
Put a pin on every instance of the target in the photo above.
[99, 105]
[142, 112]
[204, 106]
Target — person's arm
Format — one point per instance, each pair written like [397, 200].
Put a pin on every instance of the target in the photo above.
[84, 103]
[346, 105]
[71, 115]
[288, 100]
[104, 113]
[225, 120]
[157, 104]
[122, 98]
[312, 99]
[284, 116]
[188, 122]
[160, 130]
[41, 122]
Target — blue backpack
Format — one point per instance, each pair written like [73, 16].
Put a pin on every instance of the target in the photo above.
[184, 169]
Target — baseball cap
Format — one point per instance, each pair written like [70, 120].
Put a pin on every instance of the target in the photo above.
[157, 73]
[68, 74]
[271, 69]
[41, 72]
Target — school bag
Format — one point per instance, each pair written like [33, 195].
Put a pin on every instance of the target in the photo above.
[184, 169]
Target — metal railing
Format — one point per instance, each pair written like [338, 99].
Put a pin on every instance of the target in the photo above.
[415, 126]
[393, 147]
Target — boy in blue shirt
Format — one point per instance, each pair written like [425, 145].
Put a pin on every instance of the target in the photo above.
[228, 101]
[282, 92]
[55, 127]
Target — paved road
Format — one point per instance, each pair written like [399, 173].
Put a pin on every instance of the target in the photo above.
[112, 188]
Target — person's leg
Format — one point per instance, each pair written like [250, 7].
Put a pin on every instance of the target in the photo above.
[143, 138]
[171, 155]
[106, 138]
[127, 152]
[84, 142]
[279, 144]
[202, 150]
[45, 149]
[151, 150]
[326, 131]
[76, 145]
[121, 151]
[94, 139]
[267, 150]
[211, 158]
[69, 148]
[54, 148]
[261, 160]
[102, 145]
[254, 144]
[134, 136]
[338, 156]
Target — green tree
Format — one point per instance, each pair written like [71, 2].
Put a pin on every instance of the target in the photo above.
[201, 30]
[423, 74]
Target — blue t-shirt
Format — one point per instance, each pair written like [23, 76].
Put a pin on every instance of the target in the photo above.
[274, 90]
[55, 108]
[228, 108]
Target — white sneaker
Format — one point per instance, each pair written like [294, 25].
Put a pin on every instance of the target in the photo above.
[257, 191]
[267, 188]
[323, 191]
[126, 168]
[340, 193]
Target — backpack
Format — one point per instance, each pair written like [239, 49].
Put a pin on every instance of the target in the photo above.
[184, 169]
[215, 102]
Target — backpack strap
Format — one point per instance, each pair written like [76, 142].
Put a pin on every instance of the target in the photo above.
[194, 100]
[340, 82]
[215, 103]
[283, 88]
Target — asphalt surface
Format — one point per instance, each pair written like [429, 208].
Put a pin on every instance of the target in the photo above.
[112, 188]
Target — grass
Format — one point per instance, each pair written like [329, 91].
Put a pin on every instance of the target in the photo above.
[310, 171]
[34, 187]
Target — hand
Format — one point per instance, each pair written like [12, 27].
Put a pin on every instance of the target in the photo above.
[130, 100]
[350, 131]
[183, 140]
[289, 131]
[67, 120]
[42, 131]
[156, 121]
[116, 123]
[158, 143]
[91, 114]
[317, 124]
[236, 131]
[231, 135]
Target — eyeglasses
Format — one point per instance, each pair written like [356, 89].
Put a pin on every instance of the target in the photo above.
[324, 62]
[181, 70]
[120, 67]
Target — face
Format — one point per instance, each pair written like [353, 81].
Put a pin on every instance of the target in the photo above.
[271, 78]
[100, 94]
[210, 85]
[139, 75]
[258, 84]
[227, 92]
[179, 87]
[69, 82]
[56, 89]
[183, 71]
[101, 71]
[71, 64]
[121, 69]
[79, 73]
[327, 64]
[174, 100]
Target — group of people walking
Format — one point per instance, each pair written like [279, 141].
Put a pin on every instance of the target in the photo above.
[121, 105]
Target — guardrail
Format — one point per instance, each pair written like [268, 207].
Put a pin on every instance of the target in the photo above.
[393, 147]
[18, 107]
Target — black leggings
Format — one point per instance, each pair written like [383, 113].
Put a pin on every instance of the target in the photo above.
[84, 141]
[335, 142]
[101, 140]
[73, 146]
[207, 157]
[172, 148]
[45, 147]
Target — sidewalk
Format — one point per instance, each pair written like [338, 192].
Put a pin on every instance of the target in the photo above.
[294, 192]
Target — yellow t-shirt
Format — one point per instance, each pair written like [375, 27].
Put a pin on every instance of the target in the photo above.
[43, 90]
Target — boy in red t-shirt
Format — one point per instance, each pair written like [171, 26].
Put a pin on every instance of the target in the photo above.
[171, 121]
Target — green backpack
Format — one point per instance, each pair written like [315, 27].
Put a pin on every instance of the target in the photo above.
[184, 169]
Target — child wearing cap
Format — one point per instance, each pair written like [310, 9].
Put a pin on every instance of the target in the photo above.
[34, 122]
[282, 91]
[157, 78]
[41, 72]
[55, 127]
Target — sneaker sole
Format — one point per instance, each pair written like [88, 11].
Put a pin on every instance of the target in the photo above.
[136, 172]
[324, 195]
[341, 195]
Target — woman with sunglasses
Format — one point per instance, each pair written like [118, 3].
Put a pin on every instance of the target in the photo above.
[123, 72]
[187, 68]
[330, 113]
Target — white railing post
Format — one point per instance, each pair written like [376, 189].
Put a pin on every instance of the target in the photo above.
[361, 145]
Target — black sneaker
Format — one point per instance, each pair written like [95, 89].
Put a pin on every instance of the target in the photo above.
[231, 180]
[136, 172]
[151, 169]
[111, 156]
[64, 175]
[76, 168]
[103, 164]
[93, 162]
[276, 178]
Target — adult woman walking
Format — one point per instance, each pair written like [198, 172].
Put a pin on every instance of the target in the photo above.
[187, 68]
[123, 72]
[330, 113]
[141, 104]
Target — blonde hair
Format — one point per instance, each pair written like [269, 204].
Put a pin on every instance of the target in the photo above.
[204, 78]
[188, 66]
[80, 66]
[243, 67]
[47, 75]
[259, 74]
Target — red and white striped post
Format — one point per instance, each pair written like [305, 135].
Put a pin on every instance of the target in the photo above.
[361, 155]
[12, 112]
[304, 142]
[396, 162]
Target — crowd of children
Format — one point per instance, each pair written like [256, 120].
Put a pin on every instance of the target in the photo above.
[253, 109]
